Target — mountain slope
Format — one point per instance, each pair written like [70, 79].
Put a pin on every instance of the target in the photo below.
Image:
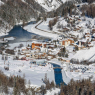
[22, 11]
[16, 11]
[50, 5]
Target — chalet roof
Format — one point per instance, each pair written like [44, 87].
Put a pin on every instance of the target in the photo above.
[49, 49]
[28, 47]
[94, 34]
[35, 42]
[51, 45]
[65, 58]
[28, 54]
[21, 56]
[90, 45]
[55, 61]
[83, 40]
[67, 39]
[22, 53]
[49, 57]
[93, 29]
[79, 19]
[39, 60]
[23, 48]
[54, 52]
[77, 16]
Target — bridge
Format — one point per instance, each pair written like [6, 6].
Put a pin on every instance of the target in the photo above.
[57, 68]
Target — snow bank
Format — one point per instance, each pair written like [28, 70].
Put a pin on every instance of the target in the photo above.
[66, 79]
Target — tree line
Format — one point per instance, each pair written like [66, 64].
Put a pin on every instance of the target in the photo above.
[80, 87]
[52, 23]
[88, 1]
[14, 11]
[18, 84]
[88, 10]
[83, 62]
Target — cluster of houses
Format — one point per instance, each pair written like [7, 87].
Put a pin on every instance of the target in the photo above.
[42, 50]
[78, 68]
[50, 49]
[76, 38]
[80, 33]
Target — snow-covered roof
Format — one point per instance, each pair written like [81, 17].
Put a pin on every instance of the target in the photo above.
[55, 61]
[83, 40]
[23, 48]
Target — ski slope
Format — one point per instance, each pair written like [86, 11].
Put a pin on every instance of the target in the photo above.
[87, 54]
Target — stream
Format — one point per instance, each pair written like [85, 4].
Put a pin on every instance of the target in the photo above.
[58, 75]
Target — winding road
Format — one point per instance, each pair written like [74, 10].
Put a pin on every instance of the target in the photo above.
[45, 30]
[50, 34]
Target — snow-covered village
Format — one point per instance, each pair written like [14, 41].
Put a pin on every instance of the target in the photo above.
[48, 49]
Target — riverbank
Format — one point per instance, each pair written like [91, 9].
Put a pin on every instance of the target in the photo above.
[5, 31]
[66, 79]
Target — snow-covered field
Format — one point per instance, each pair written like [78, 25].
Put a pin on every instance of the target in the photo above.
[45, 33]
[33, 73]
[44, 25]
[86, 54]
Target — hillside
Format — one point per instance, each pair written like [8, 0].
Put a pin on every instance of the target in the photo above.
[49, 5]
[13, 12]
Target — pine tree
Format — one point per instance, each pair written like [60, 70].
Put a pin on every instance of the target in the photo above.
[6, 88]
[15, 91]
[45, 79]
[29, 83]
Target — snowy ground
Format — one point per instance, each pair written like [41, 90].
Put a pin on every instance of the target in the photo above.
[1, 3]
[53, 91]
[66, 78]
[9, 38]
[33, 73]
[31, 28]
[44, 25]
[83, 72]
[86, 54]
[49, 5]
